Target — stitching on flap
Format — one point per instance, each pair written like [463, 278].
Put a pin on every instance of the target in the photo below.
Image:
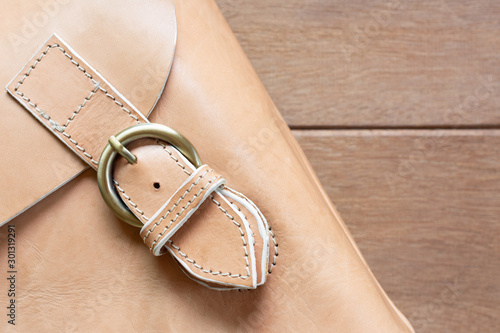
[62, 130]
[53, 123]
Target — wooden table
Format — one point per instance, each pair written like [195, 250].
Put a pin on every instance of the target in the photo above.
[396, 104]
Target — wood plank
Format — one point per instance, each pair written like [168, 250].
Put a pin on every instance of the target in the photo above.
[424, 207]
[381, 63]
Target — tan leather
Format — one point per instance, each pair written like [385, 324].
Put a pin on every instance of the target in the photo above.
[81, 264]
[222, 247]
[72, 100]
[225, 242]
[169, 218]
[138, 65]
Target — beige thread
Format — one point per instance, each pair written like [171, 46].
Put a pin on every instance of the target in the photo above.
[193, 262]
[177, 203]
[270, 231]
[173, 157]
[229, 216]
[239, 210]
[208, 271]
[77, 111]
[182, 211]
[130, 200]
[241, 233]
[53, 123]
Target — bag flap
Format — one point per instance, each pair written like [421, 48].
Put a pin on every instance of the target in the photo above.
[132, 46]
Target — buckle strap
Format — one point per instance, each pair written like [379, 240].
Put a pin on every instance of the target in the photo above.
[177, 210]
[73, 100]
[226, 242]
[225, 245]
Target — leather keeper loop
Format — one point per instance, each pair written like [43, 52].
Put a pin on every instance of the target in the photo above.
[177, 210]
[225, 245]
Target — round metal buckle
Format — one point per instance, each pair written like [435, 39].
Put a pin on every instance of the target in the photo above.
[117, 145]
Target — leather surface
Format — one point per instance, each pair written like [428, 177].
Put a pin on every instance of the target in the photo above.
[225, 241]
[81, 264]
[77, 104]
[96, 29]
[72, 100]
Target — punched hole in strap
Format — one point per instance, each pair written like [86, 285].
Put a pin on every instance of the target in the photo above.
[180, 207]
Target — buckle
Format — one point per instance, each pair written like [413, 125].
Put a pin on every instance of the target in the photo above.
[117, 145]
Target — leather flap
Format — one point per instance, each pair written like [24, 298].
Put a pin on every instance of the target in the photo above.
[131, 45]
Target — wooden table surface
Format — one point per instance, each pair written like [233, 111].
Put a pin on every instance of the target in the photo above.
[396, 104]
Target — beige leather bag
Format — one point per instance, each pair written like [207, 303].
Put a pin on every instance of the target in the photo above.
[239, 234]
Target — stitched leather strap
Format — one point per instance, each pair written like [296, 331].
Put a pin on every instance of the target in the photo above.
[226, 242]
[180, 207]
[71, 99]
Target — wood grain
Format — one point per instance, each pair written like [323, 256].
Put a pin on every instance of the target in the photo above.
[424, 207]
[375, 64]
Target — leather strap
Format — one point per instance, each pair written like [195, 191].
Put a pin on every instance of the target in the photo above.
[226, 240]
[72, 100]
[137, 66]
[175, 212]
[225, 245]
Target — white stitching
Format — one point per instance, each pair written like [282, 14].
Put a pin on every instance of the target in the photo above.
[176, 160]
[177, 203]
[61, 129]
[44, 115]
[239, 210]
[193, 262]
[173, 157]
[224, 211]
[80, 148]
[241, 233]
[77, 111]
[270, 232]
[180, 213]
[130, 200]
[209, 271]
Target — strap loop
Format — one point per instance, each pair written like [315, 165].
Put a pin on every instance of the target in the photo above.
[177, 210]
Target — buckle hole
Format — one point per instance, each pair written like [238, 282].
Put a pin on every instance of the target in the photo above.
[156, 185]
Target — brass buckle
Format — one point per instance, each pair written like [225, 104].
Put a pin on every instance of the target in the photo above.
[117, 145]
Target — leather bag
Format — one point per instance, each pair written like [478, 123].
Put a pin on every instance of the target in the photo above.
[262, 247]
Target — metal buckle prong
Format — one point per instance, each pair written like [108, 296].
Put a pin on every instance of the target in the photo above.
[120, 149]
